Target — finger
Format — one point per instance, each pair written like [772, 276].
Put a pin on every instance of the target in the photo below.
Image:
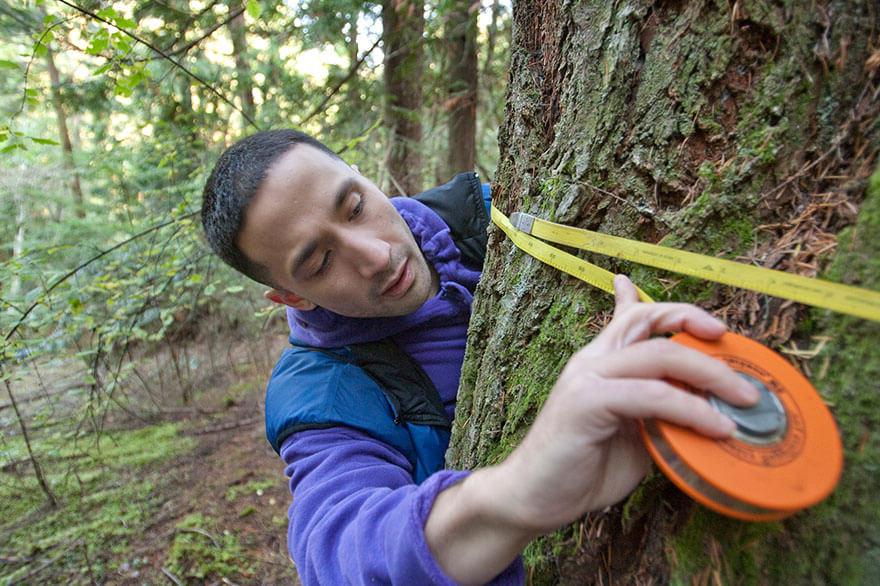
[641, 321]
[660, 358]
[683, 317]
[625, 293]
[646, 399]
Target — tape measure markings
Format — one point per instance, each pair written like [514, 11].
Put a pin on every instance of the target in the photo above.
[559, 259]
[524, 228]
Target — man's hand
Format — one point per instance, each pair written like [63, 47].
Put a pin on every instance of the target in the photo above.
[584, 452]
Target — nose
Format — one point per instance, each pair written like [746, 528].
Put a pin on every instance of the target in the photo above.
[369, 255]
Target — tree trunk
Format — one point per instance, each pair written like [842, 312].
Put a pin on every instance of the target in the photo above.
[18, 239]
[403, 22]
[352, 88]
[491, 36]
[244, 83]
[745, 130]
[461, 43]
[64, 135]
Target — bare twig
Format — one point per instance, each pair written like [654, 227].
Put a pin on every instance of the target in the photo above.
[171, 576]
[200, 532]
[342, 82]
[38, 471]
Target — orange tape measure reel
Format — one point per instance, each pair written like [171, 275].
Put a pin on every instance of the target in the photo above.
[785, 456]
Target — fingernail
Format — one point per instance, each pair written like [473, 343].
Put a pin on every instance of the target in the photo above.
[727, 425]
[750, 393]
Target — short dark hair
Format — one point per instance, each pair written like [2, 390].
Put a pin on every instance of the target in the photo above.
[235, 180]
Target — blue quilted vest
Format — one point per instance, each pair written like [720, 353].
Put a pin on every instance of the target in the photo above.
[377, 388]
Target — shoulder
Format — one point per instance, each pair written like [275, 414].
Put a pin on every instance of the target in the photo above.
[462, 204]
[310, 389]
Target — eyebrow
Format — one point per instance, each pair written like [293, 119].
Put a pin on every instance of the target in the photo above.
[309, 249]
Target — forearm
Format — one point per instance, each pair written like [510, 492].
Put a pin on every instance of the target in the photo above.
[473, 530]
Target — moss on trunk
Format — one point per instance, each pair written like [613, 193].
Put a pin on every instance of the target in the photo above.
[745, 131]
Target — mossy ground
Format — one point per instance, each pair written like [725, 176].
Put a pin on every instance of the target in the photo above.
[103, 500]
[202, 499]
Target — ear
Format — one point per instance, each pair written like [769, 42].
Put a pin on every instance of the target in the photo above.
[289, 299]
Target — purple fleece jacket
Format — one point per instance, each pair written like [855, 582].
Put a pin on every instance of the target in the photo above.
[357, 517]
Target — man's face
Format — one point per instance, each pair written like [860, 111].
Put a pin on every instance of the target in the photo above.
[331, 237]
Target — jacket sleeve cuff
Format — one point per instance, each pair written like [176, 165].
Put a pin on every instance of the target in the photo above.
[422, 505]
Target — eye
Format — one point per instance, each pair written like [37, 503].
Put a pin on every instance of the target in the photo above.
[358, 209]
[325, 263]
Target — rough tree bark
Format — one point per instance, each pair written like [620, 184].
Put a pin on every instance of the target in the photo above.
[461, 103]
[403, 22]
[747, 130]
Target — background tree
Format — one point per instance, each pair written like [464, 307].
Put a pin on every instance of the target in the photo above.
[403, 22]
[461, 42]
[746, 130]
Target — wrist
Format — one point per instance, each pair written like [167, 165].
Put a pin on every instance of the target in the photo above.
[472, 531]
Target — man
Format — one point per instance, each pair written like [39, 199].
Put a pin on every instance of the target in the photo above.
[357, 268]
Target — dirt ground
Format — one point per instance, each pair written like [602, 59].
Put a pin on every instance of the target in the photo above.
[228, 456]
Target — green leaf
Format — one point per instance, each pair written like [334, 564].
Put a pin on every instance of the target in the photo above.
[43, 140]
[76, 306]
[104, 68]
[107, 13]
[98, 42]
[4, 64]
[122, 43]
[254, 9]
[235, 289]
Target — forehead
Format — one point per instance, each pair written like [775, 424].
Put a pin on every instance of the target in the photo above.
[296, 195]
[303, 174]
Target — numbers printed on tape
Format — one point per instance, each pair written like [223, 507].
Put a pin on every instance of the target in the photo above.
[816, 292]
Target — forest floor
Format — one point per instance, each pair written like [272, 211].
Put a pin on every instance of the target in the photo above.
[190, 495]
[223, 517]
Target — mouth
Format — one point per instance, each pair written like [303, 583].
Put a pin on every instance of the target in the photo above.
[400, 282]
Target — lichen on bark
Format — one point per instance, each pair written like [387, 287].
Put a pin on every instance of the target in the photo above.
[743, 130]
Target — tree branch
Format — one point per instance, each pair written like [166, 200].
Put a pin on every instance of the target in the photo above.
[164, 56]
[339, 85]
[204, 36]
[83, 265]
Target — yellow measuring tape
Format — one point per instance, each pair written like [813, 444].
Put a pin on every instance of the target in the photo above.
[523, 229]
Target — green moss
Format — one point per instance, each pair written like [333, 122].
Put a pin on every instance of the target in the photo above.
[104, 495]
[255, 487]
[560, 334]
[541, 555]
[202, 552]
[699, 546]
[839, 541]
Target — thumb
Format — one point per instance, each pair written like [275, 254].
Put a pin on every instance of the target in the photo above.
[625, 294]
